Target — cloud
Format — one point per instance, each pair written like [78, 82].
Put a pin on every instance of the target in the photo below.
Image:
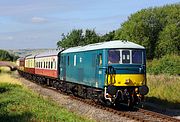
[38, 20]
[10, 38]
[6, 38]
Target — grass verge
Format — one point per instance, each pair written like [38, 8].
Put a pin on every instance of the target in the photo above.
[164, 90]
[17, 103]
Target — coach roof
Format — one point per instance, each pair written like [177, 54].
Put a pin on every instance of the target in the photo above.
[30, 56]
[105, 45]
[48, 53]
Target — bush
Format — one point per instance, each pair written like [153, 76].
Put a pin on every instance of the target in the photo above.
[6, 56]
[168, 64]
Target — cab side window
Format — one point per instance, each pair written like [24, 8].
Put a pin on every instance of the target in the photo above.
[100, 59]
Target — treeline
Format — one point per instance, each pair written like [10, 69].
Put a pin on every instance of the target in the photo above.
[79, 38]
[6, 56]
[158, 29]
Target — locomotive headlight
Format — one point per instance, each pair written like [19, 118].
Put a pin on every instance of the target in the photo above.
[136, 89]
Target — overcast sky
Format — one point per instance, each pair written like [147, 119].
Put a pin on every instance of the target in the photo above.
[40, 23]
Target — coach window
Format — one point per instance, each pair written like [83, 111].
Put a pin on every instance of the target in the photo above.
[54, 64]
[46, 64]
[42, 64]
[125, 56]
[51, 64]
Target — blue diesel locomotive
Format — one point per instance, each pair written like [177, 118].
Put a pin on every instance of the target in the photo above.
[112, 72]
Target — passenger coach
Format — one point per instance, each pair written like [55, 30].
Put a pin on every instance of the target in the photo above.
[29, 64]
[46, 64]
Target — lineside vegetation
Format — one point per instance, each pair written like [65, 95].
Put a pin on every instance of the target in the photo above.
[18, 103]
[164, 90]
[168, 64]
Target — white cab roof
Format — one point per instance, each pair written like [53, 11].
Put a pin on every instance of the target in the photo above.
[105, 45]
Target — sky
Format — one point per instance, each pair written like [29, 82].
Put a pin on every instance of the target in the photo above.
[40, 23]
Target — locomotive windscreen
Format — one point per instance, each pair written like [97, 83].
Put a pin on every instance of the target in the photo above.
[125, 56]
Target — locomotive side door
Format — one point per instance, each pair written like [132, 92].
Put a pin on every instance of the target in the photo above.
[98, 75]
[62, 68]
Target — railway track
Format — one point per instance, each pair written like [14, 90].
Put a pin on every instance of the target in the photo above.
[137, 114]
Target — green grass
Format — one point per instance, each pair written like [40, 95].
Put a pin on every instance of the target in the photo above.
[164, 90]
[17, 103]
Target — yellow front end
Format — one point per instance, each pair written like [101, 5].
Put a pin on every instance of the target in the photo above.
[126, 79]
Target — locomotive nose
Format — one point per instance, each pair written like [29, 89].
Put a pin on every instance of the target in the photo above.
[143, 90]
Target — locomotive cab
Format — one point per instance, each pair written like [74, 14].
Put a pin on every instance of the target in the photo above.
[125, 76]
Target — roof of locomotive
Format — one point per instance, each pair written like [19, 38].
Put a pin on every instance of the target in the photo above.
[105, 45]
[48, 53]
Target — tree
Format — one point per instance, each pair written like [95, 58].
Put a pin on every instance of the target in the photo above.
[169, 40]
[108, 36]
[6, 56]
[91, 37]
[77, 38]
[146, 28]
[72, 39]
